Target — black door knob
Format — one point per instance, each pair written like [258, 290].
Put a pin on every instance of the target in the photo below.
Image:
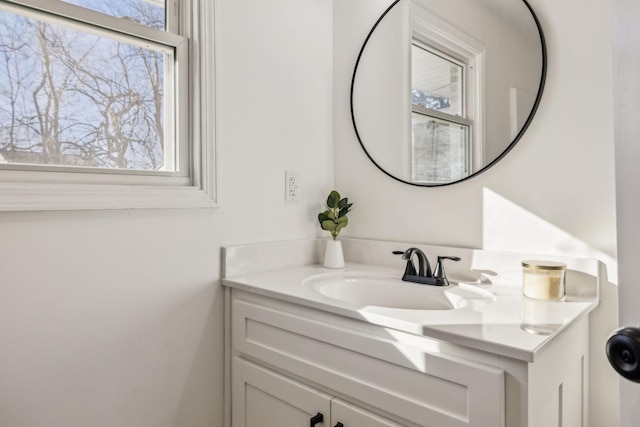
[623, 351]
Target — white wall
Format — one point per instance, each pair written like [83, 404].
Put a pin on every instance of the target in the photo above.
[553, 193]
[115, 318]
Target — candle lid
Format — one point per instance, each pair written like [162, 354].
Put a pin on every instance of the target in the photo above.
[543, 265]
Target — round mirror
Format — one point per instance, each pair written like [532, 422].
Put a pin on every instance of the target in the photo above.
[443, 89]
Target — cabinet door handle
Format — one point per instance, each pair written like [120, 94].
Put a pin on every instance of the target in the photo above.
[339, 425]
[316, 419]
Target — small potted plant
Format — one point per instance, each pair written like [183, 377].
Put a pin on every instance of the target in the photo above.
[333, 220]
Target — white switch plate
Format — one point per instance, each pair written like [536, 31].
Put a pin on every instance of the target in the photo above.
[291, 186]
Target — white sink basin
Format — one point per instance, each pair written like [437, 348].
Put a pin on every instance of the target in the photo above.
[387, 290]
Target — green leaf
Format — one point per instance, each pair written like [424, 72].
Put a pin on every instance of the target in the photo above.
[333, 199]
[331, 215]
[322, 217]
[343, 221]
[328, 225]
[343, 212]
[330, 201]
[343, 203]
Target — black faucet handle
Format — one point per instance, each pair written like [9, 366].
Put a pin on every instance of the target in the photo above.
[410, 269]
[439, 272]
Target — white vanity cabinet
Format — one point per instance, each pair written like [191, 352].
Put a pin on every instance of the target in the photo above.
[293, 362]
[289, 362]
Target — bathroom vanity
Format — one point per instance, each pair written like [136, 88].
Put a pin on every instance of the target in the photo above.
[309, 346]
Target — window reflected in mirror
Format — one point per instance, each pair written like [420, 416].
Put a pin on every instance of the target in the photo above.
[436, 81]
[441, 136]
[440, 150]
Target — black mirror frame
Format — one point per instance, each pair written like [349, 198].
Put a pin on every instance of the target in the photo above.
[506, 150]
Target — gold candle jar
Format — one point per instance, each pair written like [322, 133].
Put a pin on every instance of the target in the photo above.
[543, 280]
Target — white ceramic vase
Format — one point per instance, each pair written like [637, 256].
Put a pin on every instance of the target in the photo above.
[333, 257]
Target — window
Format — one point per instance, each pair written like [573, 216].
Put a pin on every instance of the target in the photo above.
[448, 103]
[100, 104]
[441, 129]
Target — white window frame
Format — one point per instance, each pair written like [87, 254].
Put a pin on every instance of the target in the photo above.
[450, 118]
[431, 31]
[31, 188]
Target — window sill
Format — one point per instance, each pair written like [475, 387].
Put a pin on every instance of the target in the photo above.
[43, 197]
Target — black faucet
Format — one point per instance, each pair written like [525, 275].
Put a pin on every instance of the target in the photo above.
[424, 274]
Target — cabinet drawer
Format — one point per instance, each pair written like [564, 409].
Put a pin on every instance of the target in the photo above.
[424, 388]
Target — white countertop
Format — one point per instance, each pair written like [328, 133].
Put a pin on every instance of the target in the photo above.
[494, 324]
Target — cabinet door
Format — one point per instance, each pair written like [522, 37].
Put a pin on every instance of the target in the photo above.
[263, 398]
[353, 416]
